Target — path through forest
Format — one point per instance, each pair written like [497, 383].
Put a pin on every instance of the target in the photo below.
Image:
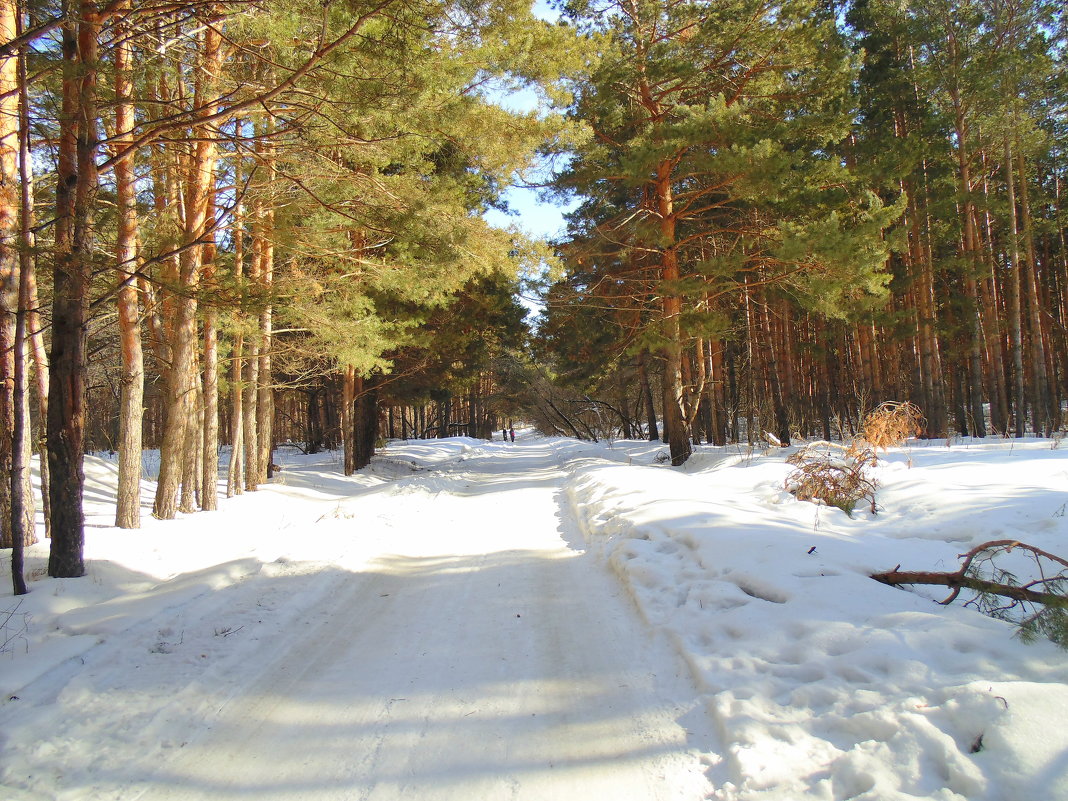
[479, 654]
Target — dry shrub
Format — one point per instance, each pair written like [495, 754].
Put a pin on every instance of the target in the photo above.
[892, 423]
[834, 474]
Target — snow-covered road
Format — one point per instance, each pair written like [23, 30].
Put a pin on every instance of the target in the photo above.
[478, 653]
[547, 619]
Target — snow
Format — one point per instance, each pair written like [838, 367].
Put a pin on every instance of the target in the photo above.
[545, 619]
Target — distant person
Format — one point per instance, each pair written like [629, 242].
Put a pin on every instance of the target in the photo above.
[504, 435]
[511, 433]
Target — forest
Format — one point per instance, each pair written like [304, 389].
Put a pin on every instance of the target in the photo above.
[245, 224]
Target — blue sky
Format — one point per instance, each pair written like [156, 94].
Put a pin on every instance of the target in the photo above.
[535, 217]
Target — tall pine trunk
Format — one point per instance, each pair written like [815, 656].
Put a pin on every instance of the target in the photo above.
[209, 492]
[1041, 395]
[132, 377]
[9, 267]
[678, 431]
[366, 422]
[76, 189]
[263, 231]
[973, 325]
[182, 380]
[782, 422]
[1015, 292]
[18, 528]
[348, 395]
[652, 434]
[235, 469]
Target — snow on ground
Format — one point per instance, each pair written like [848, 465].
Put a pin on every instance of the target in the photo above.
[549, 619]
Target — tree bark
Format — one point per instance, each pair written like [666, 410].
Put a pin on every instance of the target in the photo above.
[348, 396]
[265, 389]
[132, 378]
[9, 267]
[250, 407]
[182, 379]
[75, 198]
[21, 518]
[971, 263]
[1015, 321]
[209, 489]
[1043, 408]
[366, 422]
[674, 390]
[235, 470]
[652, 434]
[782, 422]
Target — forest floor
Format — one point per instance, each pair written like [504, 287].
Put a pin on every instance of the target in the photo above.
[542, 620]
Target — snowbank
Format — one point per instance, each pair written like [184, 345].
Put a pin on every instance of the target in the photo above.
[822, 682]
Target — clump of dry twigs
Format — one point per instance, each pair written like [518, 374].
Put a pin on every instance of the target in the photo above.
[892, 423]
[834, 474]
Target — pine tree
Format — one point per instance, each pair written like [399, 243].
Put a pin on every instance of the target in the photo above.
[722, 123]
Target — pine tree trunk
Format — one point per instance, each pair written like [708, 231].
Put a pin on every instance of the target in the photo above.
[974, 327]
[787, 358]
[678, 431]
[75, 200]
[40, 363]
[190, 491]
[366, 422]
[1041, 398]
[869, 361]
[209, 495]
[1015, 321]
[751, 371]
[823, 379]
[265, 390]
[250, 404]
[930, 350]
[132, 379]
[9, 267]
[782, 421]
[18, 530]
[1062, 297]
[182, 384]
[991, 297]
[252, 365]
[689, 408]
[472, 413]
[718, 400]
[348, 397]
[652, 434]
[235, 470]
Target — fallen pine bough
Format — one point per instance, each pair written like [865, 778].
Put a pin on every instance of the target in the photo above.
[1038, 604]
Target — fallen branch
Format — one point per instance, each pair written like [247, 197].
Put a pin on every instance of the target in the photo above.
[1037, 604]
[958, 581]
